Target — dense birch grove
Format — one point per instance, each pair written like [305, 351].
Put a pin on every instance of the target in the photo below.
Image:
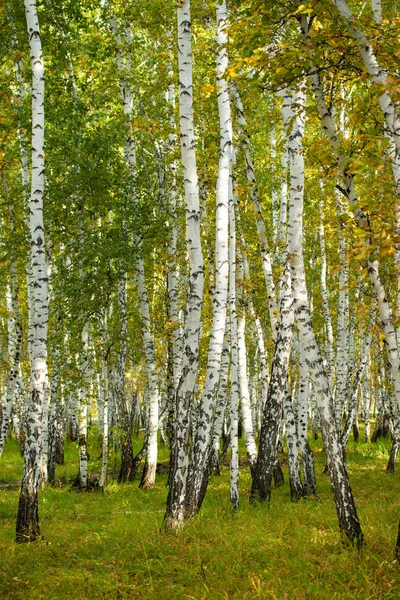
[200, 221]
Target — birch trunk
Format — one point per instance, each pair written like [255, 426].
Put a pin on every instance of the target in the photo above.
[221, 406]
[345, 507]
[249, 438]
[325, 298]
[342, 326]
[126, 468]
[105, 425]
[83, 410]
[366, 404]
[263, 470]
[27, 528]
[262, 355]
[149, 471]
[296, 486]
[191, 338]
[353, 394]
[377, 10]
[310, 486]
[234, 403]
[198, 471]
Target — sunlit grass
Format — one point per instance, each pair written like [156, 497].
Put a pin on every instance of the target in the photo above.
[111, 545]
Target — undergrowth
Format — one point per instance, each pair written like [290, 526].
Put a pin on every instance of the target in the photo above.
[111, 545]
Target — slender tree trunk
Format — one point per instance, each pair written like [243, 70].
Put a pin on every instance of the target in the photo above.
[249, 437]
[191, 338]
[263, 471]
[221, 406]
[353, 393]
[83, 410]
[124, 68]
[149, 471]
[345, 506]
[105, 424]
[198, 470]
[296, 486]
[28, 518]
[366, 404]
[310, 486]
[126, 470]
[234, 403]
[325, 298]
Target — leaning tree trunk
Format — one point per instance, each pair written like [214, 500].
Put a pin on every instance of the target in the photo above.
[28, 517]
[191, 337]
[350, 193]
[344, 501]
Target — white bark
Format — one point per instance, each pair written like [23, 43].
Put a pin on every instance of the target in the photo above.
[286, 113]
[149, 472]
[192, 331]
[296, 486]
[221, 402]
[27, 520]
[377, 10]
[354, 391]
[104, 423]
[345, 507]
[249, 438]
[261, 351]
[342, 326]
[325, 298]
[302, 428]
[200, 453]
[234, 404]
[266, 465]
[366, 404]
[83, 407]
[173, 273]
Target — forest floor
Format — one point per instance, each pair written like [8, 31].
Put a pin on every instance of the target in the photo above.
[110, 545]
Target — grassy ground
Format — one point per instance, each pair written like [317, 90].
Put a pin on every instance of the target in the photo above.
[110, 545]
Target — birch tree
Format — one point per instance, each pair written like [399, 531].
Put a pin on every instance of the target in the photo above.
[28, 528]
[191, 335]
[198, 472]
[345, 507]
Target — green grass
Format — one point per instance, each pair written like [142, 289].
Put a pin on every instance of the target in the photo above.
[110, 545]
